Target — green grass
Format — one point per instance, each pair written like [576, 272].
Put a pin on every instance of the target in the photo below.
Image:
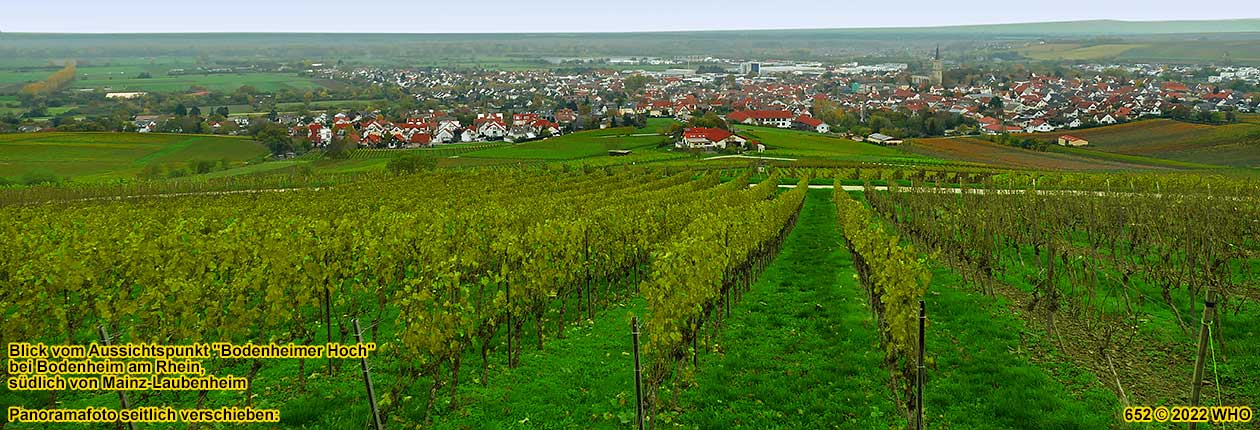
[361, 160]
[983, 372]
[800, 350]
[442, 150]
[318, 167]
[88, 156]
[642, 157]
[123, 77]
[655, 124]
[983, 376]
[803, 144]
[1157, 323]
[246, 110]
[583, 144]
[253, 169]
[1072, 51]
[1240, 52]
[348, 166]
[8, 77]
[215, 82]
[585, 380]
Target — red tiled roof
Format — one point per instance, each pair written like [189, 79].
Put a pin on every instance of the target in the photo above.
[809, 120]
[740, 116]
[712, 134]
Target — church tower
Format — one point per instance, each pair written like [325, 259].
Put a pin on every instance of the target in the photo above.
[938, 68]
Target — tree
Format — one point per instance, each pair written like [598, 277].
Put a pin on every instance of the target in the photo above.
[710, 120]
[674, 130]
[275, 137]
[195, 111]
[411, 164]
[710, 68]
[55, 82]
[635, 83]
[995, 104]
[881, 124]
[180, 110]
[201, 166]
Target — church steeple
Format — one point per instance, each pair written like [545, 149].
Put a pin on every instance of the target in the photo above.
[938, 67]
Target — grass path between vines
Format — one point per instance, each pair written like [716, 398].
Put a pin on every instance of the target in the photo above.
[585, 380]
[800, 350]
[987, 369]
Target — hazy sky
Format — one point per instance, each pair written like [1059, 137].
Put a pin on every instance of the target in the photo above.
[572, 15]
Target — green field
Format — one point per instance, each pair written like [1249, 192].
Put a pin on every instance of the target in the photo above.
[214, 82]
[1196, 52]
[124, 77]
[803, 144]
[9, 77]
[1073, 51]
[89, 156]
[247, 110]
[573, 146]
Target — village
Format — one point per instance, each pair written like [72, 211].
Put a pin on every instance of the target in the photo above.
[469, 105]
[780, 95]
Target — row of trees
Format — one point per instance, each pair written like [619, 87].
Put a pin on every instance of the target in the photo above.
[55, 82]
[896, 123]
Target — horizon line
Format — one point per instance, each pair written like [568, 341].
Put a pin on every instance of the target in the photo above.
[926, 27]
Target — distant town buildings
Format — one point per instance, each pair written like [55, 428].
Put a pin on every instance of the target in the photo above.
[750, 67]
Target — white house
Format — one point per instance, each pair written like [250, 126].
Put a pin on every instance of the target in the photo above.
[494, 129]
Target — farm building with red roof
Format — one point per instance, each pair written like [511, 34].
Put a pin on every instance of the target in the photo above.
[709, 138]
[775, 118]
[806, 122]
[1067, 140]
